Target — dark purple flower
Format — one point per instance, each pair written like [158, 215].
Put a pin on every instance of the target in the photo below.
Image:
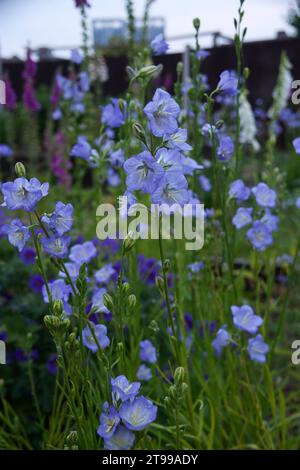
[28, 255]
[36, 283]
[52, 364]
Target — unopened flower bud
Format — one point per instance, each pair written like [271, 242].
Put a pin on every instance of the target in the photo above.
[120, 347]
[196, 23]
[132, 301]
[150, 71]
[179, 375]
[154, 326]
[58, 307]
[184, 388]
[160, 284]
[121, 104]
[246, 73]
[20, 170]
[128, 242]
[139, 131]
[179, 68]
[125, 287]
[166, 265]
[108, 302]
[219, 124]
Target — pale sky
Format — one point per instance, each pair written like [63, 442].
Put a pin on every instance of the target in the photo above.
[56, 22]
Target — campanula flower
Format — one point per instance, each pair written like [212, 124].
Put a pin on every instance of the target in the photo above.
[84, 81]
[109, 421]
[112, 116]
[257, 349]
[225, 148]
[221, 340]
[205, 183]
[265, 197]
[23, 194]
[73, 270]
[117, 158]
[162, 112]
[296, 145]
[88, 338]
[59, 291]
[270, 220]
[143, 173]
[138, 414]
[202, 54]
[260, 236]
[196, 267]
[124, 390]
[242, 217]
[82, 149]
[122, 439]
[228, 83]
[76, 56]
[56, 246]
[97, 301]
[178, 141]
[144, 373]
[5, 151]
[147, 351]
[239, 191]
[61, 220]
[28, 255]
[172, 189]
[82, 3]
[189, 165]
[83, 253]
[105, 274]
[159, 45]
[18, 235]
[245, 319]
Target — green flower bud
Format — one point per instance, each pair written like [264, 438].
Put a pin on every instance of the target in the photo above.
[128, 242]
[166, 265]
[160, 284]
[196, 23]
[132, 301]
[139, 131]
[125, 287]
[219, 124]
[179, 375]
[154, 326]
[20, 170]
[108, 302]
[121, 105]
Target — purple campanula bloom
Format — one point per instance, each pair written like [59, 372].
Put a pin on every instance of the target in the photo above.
[148, 268]
[172, 189]
[144, 373]
[113, 178]
[296, 145]
[209, 130]
[189, 165]
[138, 414]
[57, 114]
[82, 3]
[97, 301]
[100, 332]
[147, 352]
[221, 340]
[29, 98]
[202, 54]
[265, 197]
[170, 160]
[56, 246]
[36, 283]
[82, 149]
[5, 151]
[73, 270]
[117, 158]
[178, 141]
[10, 96]
[124, 390]
[143, 173]
[196, 267]
[23, 194]
[109, 421]
[28, 255]
[298, 202]
[238, 190]
[260, 236]
[257, 349]
[245, 319]
[122, 439]
[76, 56]
[225, 148]
[159, 45]
[205, 183]
[61, 220]
[228, 83]
[84, 81]
[52, 364]
[59, 291]
[162, 112]
[242, 217]
[105, 274]
[270, 220]
[112, 116]
[83, 253]
[18, 235]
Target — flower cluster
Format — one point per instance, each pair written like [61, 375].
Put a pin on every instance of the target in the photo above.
[127, 413]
